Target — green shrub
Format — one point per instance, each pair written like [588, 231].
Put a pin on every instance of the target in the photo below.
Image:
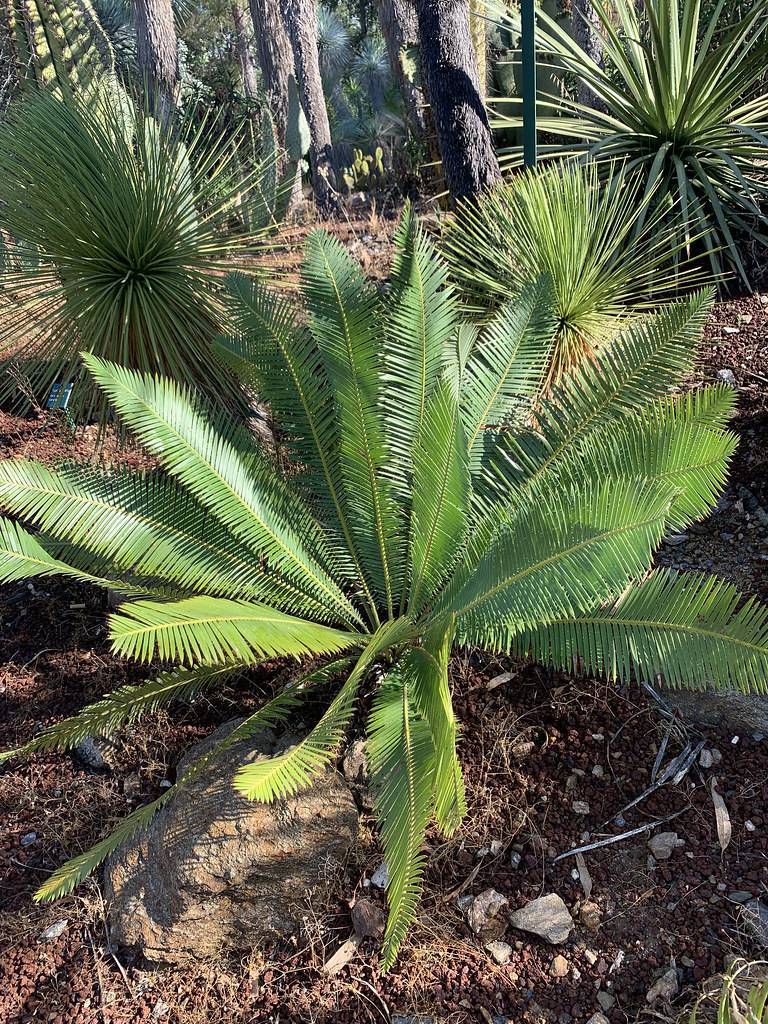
[605, 253]
[683, 104]
[129, 228]
[740, 996]
[429, 512]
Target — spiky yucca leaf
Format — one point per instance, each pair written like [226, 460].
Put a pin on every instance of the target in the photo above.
[486, 513]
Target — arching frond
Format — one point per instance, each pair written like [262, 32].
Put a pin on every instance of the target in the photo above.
[695, 631]
[401, 758]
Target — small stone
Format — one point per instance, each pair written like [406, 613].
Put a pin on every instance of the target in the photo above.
[750, 826]
[756, 919]
[559, 967]
[740, 896]
[598, 771]
[496, 847]
[484, 915]
[548, 917]
[664, 988]
[165, 783]
[709, 757]
[764, 300]
[28, 839]
[675, 539]
[589, 915]
[500, 951]
[598, 1018]
[160, 1009]
[663, 843]
[727, 376]
[580, 807]
[464, 902]
[730, 330]
[368, 919]
[650, 862]
[590, 956]
[687, 962]
[514, 859]
[605, 999]
[94, 753]
[380, 877]
[53, 931]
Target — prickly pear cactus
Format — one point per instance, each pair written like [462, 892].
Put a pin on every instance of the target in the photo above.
[52, 44]
[366, 172]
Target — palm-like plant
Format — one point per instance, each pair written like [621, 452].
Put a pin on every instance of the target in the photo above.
[120, 235]
[683, 103]
[602, 248]
[429, 512]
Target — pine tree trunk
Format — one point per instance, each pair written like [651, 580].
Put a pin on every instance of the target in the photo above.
[243, 50]
[157, 55]
[587, 33]
[273, 49]
[400, 29]
[450, 71]
[300, 18]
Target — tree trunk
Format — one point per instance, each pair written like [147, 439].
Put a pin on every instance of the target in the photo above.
[243, 50]
[157, 55]
[400, 29]
[587, 32]
[450, 71]
[300, 17]
[273, 49]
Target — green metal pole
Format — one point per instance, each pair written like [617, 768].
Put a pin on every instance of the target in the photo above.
[528, 46]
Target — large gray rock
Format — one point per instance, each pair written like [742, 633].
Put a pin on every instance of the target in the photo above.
[548, 917]
[215, 870]
[722, 709]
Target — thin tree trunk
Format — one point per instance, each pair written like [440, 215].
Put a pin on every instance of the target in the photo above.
[587, 33]
[300, 18]
[400, 29]
[273, 49]
[450, 71]
[243, 50]
[157, 55]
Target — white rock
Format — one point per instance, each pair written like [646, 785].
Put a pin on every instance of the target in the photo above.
[590, 956]
[710, 757]
[727, 376]
[580, 807]
[53, 931]
[730, 330]
[598, 1018]
[500, 951]
[380, 877]
[483, 914]
[548, 917]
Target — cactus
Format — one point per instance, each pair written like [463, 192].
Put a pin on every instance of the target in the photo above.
[57, 45]
[366, 173]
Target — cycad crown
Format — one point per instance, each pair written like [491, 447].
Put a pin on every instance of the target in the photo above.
[441, 500]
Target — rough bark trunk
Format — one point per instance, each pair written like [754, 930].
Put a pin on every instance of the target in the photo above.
[157, 55]
[588, 34]
[400, 29]
[300, 18]
[273, 49]
[243, 50]
[450, 71]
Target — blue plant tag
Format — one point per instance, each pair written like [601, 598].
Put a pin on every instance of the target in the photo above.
[59, 396]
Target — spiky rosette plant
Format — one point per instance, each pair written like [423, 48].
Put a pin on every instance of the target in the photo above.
[119, 236]
[429, 512]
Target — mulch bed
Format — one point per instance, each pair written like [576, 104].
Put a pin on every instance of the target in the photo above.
[530, 748]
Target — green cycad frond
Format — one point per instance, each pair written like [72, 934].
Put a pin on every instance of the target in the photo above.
[206, 454]
[426, 669]
[345, 321]
[507, 365]
[666, 441]
[422, 316]
[441, 493]
[580, 548]
[280, 776]
[695, 631]
[401, 757]
[123, 706]
[217, 631]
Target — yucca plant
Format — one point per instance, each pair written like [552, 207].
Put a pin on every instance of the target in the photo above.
[740, 996]
[602, 248]
[421, 510]
[121, 235]
[682, 101]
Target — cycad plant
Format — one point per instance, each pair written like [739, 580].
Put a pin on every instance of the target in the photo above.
[681, 100]
[602, 248]
[428, 513]
[121, 234]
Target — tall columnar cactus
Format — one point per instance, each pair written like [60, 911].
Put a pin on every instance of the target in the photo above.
[53, 44]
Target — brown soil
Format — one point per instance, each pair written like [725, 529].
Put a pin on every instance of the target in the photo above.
[529, 748]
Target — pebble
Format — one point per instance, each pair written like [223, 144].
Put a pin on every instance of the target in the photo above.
[731, 330]
[709, 757]
[675, 539]
[589, 915]
[750, 826]
[663, 843]
[28, 839]
[515, 859]
[727, 376]
[580, 807]
[598, 771]
[559, 967]
[665, 988]
[500, 951]
[380, 877]
[483, 915]
[590, 956]
[54, 931]
[548, 917]
[740, 896]
[598, 1018]
[605, 999]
